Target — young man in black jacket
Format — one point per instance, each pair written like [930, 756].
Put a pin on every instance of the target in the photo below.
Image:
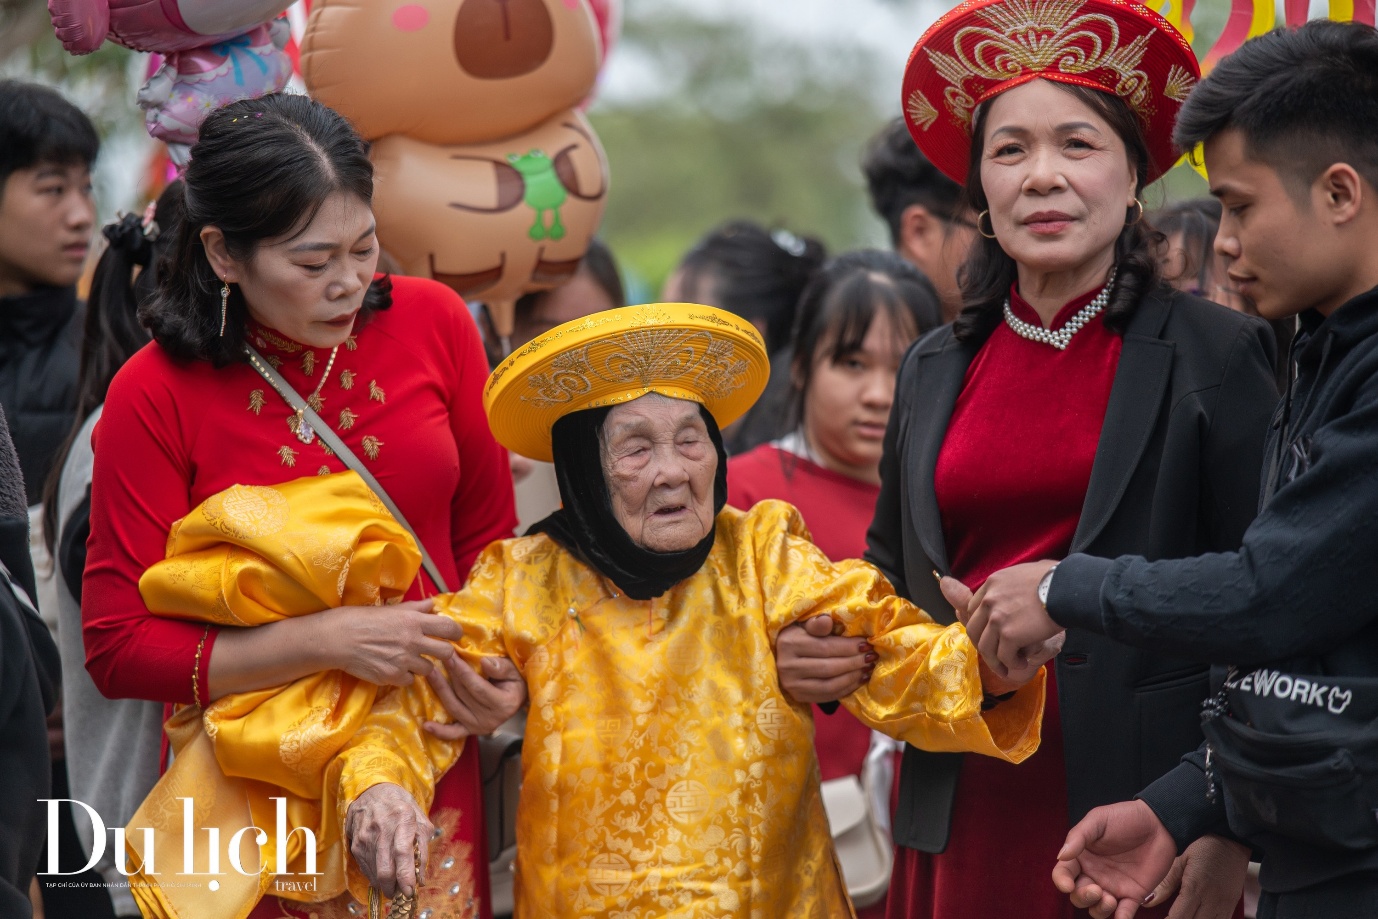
[47, 147]
[1288, 129]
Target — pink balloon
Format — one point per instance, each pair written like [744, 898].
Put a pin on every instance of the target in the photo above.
[609, 16]
[215, 52]
[156, 25]
[192, 84]
[80, 24]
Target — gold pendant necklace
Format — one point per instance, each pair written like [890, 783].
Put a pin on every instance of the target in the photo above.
[297, 420]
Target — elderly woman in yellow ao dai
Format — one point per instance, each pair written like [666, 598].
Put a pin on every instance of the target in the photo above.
[664, 771]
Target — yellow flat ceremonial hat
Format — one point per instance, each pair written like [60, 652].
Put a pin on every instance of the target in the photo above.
[681, 350]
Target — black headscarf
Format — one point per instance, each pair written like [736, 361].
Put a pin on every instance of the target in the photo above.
[586, 525]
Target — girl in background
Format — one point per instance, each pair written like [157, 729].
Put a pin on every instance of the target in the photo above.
[854, 323]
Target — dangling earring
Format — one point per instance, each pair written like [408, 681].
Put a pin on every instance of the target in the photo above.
[224, 305]
[1140, 205]
[985, 214]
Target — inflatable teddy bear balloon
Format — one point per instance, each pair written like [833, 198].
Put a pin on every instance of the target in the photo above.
[487, 177]
[450, 71]
[216, 52]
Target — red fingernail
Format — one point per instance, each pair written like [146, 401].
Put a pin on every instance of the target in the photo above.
[872, 657]
[862, 647]
[1148, 900]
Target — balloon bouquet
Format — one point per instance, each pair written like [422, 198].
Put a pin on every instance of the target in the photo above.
[488, 177]
[214, 52]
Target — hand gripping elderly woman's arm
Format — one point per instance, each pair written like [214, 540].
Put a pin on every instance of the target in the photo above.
[926, 688]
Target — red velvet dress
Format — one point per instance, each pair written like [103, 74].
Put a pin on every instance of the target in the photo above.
[1011, 479]
[838, 511]
[405, 394]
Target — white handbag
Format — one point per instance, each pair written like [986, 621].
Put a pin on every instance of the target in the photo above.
[858, 811]
[500, 758]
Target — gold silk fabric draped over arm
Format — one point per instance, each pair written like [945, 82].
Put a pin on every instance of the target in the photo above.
[245, 557]
[665, 774]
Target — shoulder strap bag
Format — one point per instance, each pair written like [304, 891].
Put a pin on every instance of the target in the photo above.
[1296, 756]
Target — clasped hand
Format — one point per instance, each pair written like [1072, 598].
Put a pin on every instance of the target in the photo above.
[815, 665]
[998, 678]
[1005, 619]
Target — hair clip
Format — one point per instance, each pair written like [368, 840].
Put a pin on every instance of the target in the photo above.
[789, 242]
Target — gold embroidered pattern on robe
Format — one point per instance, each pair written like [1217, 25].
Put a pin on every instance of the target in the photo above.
[664, 772]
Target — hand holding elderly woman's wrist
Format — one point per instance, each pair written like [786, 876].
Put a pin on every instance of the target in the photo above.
[1006, 620]
[478, 703]
[816, 666]
[387, 645]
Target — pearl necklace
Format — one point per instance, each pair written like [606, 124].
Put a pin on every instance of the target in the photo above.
[1062, 337]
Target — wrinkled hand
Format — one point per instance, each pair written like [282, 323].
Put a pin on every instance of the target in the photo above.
[960, 596]
[1210, 874]
[817, 666]
[1007, 621]
[1113, 859]
[388, 645]
[478, 704]
[381, 826]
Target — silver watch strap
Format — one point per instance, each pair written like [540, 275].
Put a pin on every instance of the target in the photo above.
[332, 440]
[1045, 585]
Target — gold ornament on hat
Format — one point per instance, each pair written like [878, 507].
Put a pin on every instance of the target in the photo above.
[643, 358]
[982, 48]
[680, 350]
[1038, 36]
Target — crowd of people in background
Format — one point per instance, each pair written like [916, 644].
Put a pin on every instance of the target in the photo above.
[1041, 444]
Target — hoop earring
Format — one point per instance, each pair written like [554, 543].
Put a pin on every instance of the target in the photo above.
[986, 214]
[224, 305]
[1140, 205]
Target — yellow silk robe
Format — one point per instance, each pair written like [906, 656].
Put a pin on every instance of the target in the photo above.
[664, 772]
[247, 556]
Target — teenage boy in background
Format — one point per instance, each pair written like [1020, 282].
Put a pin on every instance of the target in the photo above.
[47, 147]
[1288, 127]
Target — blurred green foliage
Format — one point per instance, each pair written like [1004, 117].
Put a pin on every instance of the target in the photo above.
[745, 125]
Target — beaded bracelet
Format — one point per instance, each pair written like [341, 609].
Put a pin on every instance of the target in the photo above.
[196, 668]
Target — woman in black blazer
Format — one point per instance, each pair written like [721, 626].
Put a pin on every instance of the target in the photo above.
[990, 413]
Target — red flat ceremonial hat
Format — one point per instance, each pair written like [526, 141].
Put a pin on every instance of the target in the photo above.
[984, 47]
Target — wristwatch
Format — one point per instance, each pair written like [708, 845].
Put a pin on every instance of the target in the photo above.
[1045, 585]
